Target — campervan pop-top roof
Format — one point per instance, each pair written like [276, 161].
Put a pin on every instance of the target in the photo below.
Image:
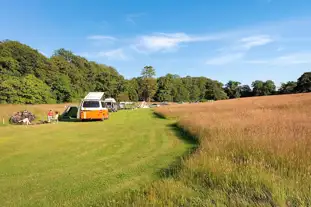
[112, 100]
[94, 96]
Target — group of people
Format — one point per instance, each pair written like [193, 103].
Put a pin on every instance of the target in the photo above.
[52, 117]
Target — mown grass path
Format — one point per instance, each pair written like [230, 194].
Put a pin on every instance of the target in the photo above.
[76, 164]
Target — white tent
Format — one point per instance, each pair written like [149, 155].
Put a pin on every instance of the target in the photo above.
[144, 105]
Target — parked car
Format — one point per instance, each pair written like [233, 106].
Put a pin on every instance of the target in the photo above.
[111, 104]
[154, 105]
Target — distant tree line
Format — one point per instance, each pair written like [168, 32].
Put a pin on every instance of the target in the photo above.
[27, 76]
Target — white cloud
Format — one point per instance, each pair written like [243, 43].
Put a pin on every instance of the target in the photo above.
[298, 58]
[100, 37]
[254, 41]
[225, 59]
[117, 54]
[167, 41]
[43, 53]
[131, 17]
[290, 59]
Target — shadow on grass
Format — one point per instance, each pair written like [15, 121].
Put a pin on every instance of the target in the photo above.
[78, 120]
[158, 115]
[69, 120]
[174, 168]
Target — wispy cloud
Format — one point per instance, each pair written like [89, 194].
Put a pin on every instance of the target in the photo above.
[238, 49]
[167, 41]
[131, 18]
[255, 41]
[100, 37]
[43, 53]
[116, 54]
[284, 60]
[225, 59]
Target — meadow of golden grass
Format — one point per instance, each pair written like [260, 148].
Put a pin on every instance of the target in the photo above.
[252, 152]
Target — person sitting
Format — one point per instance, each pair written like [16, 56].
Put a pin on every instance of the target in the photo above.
[55, 118]
[50, 116]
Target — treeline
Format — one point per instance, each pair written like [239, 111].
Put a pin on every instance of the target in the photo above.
[27, 76]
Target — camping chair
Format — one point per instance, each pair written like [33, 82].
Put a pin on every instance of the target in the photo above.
[55, 119]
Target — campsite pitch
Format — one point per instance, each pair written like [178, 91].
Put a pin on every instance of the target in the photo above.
[81, 164]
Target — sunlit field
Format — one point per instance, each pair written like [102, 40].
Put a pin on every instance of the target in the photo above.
[252, 152]
[84, 164]
[248, 152]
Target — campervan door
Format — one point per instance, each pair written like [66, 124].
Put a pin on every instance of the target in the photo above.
[93, 107]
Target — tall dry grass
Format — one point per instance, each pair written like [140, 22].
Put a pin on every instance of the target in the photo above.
[252, 152]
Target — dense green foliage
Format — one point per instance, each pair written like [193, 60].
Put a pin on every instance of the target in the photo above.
[27, 76]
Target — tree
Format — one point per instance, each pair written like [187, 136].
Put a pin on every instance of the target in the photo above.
[269, 87]
[149, 83]
[29, 90]
[123, 97]
[304, 83]
[66, 54]
[246, 91]
[261, 88]
[214, 91]
[62, 89]
[233, 89]
[148, 72]
[131, 88]
[180, 91]
[258, 88]
[201, 82]
[288, 87]
[194, 93]
[165, 88]
[67, 75]
[9, 66]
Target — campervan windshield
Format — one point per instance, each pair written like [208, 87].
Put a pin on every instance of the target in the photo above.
[90, 104]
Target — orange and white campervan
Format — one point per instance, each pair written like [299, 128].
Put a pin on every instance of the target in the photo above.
[93, 107]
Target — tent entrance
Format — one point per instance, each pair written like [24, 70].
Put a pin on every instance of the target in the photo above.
[71, 112]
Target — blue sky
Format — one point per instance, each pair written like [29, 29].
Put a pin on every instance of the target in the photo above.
[243, 40]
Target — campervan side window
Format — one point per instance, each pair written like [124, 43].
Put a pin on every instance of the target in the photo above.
[91, 104]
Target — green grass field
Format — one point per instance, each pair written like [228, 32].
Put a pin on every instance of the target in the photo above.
[83, 164]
